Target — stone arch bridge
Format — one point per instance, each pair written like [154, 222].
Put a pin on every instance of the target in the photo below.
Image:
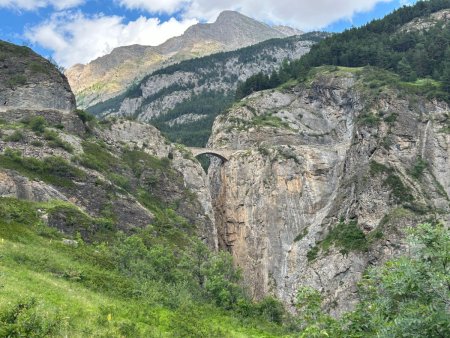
[223, 154]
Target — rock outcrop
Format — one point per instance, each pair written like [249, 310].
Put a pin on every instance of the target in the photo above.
[27, 81]
[325, 178]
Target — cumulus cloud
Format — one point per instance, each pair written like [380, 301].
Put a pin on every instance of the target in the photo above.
[303, 14]
[77, 38]
[155, 6]
[35, 4]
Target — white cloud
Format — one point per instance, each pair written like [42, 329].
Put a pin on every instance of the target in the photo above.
[303, 14]
[35, 4]
[76, 38]
[155, 6]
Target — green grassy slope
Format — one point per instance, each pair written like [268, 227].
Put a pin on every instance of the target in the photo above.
[49, 288]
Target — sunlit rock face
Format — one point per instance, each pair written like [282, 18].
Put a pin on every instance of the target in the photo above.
[312, 156]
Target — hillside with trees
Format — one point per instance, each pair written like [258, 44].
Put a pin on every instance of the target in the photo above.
[411, 54]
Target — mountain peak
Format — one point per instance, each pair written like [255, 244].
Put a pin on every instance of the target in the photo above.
[226, 16]
[118, 69]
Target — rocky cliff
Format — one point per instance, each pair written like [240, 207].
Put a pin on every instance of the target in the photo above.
[109, 176]
[325, 178]
[30, 82]
[111, 74]
[120, 173]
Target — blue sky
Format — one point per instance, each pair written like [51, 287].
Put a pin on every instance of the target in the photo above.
[77, 31]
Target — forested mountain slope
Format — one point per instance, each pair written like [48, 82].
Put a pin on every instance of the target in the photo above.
[182, 100]
[413, 42]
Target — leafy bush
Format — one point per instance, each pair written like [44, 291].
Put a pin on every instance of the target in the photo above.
[96, 156]
[313, 253]
[37, 124]
[17, 80]
[38, 67]
[56, 142]
[269, 121]
[400, 192]
[347, 236]
[408, 296]
[25, 319]
[17, 136]
[419, 167]
[84, 116]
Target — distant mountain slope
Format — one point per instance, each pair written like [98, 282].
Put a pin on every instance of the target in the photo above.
[111, 74]
[183, 99]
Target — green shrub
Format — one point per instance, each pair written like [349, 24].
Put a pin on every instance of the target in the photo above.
[369, 119]
[37, 143]
[378, 168]
[25, 319]
[17, 80]
[391, 118]
[17, 136]
[97, 157]
[407, 296]
[269, 121]
[271, 309]
[84, 116]
[55, 141]
[38, 67]
[301, 235]
[419, 167]
[313, 253]
[346, 236]
[222, 281]
[37, 124]
[400, 192]
[120, 180]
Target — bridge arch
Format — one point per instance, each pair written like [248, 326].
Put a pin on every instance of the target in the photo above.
[223, 158]
[222, 154]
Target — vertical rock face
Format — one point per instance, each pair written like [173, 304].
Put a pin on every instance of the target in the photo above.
[312, 162]
[28, 81]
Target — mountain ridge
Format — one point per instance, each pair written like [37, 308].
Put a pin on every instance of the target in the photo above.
[110, 74]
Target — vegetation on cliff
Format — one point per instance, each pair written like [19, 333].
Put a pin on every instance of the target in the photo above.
[411, 54]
